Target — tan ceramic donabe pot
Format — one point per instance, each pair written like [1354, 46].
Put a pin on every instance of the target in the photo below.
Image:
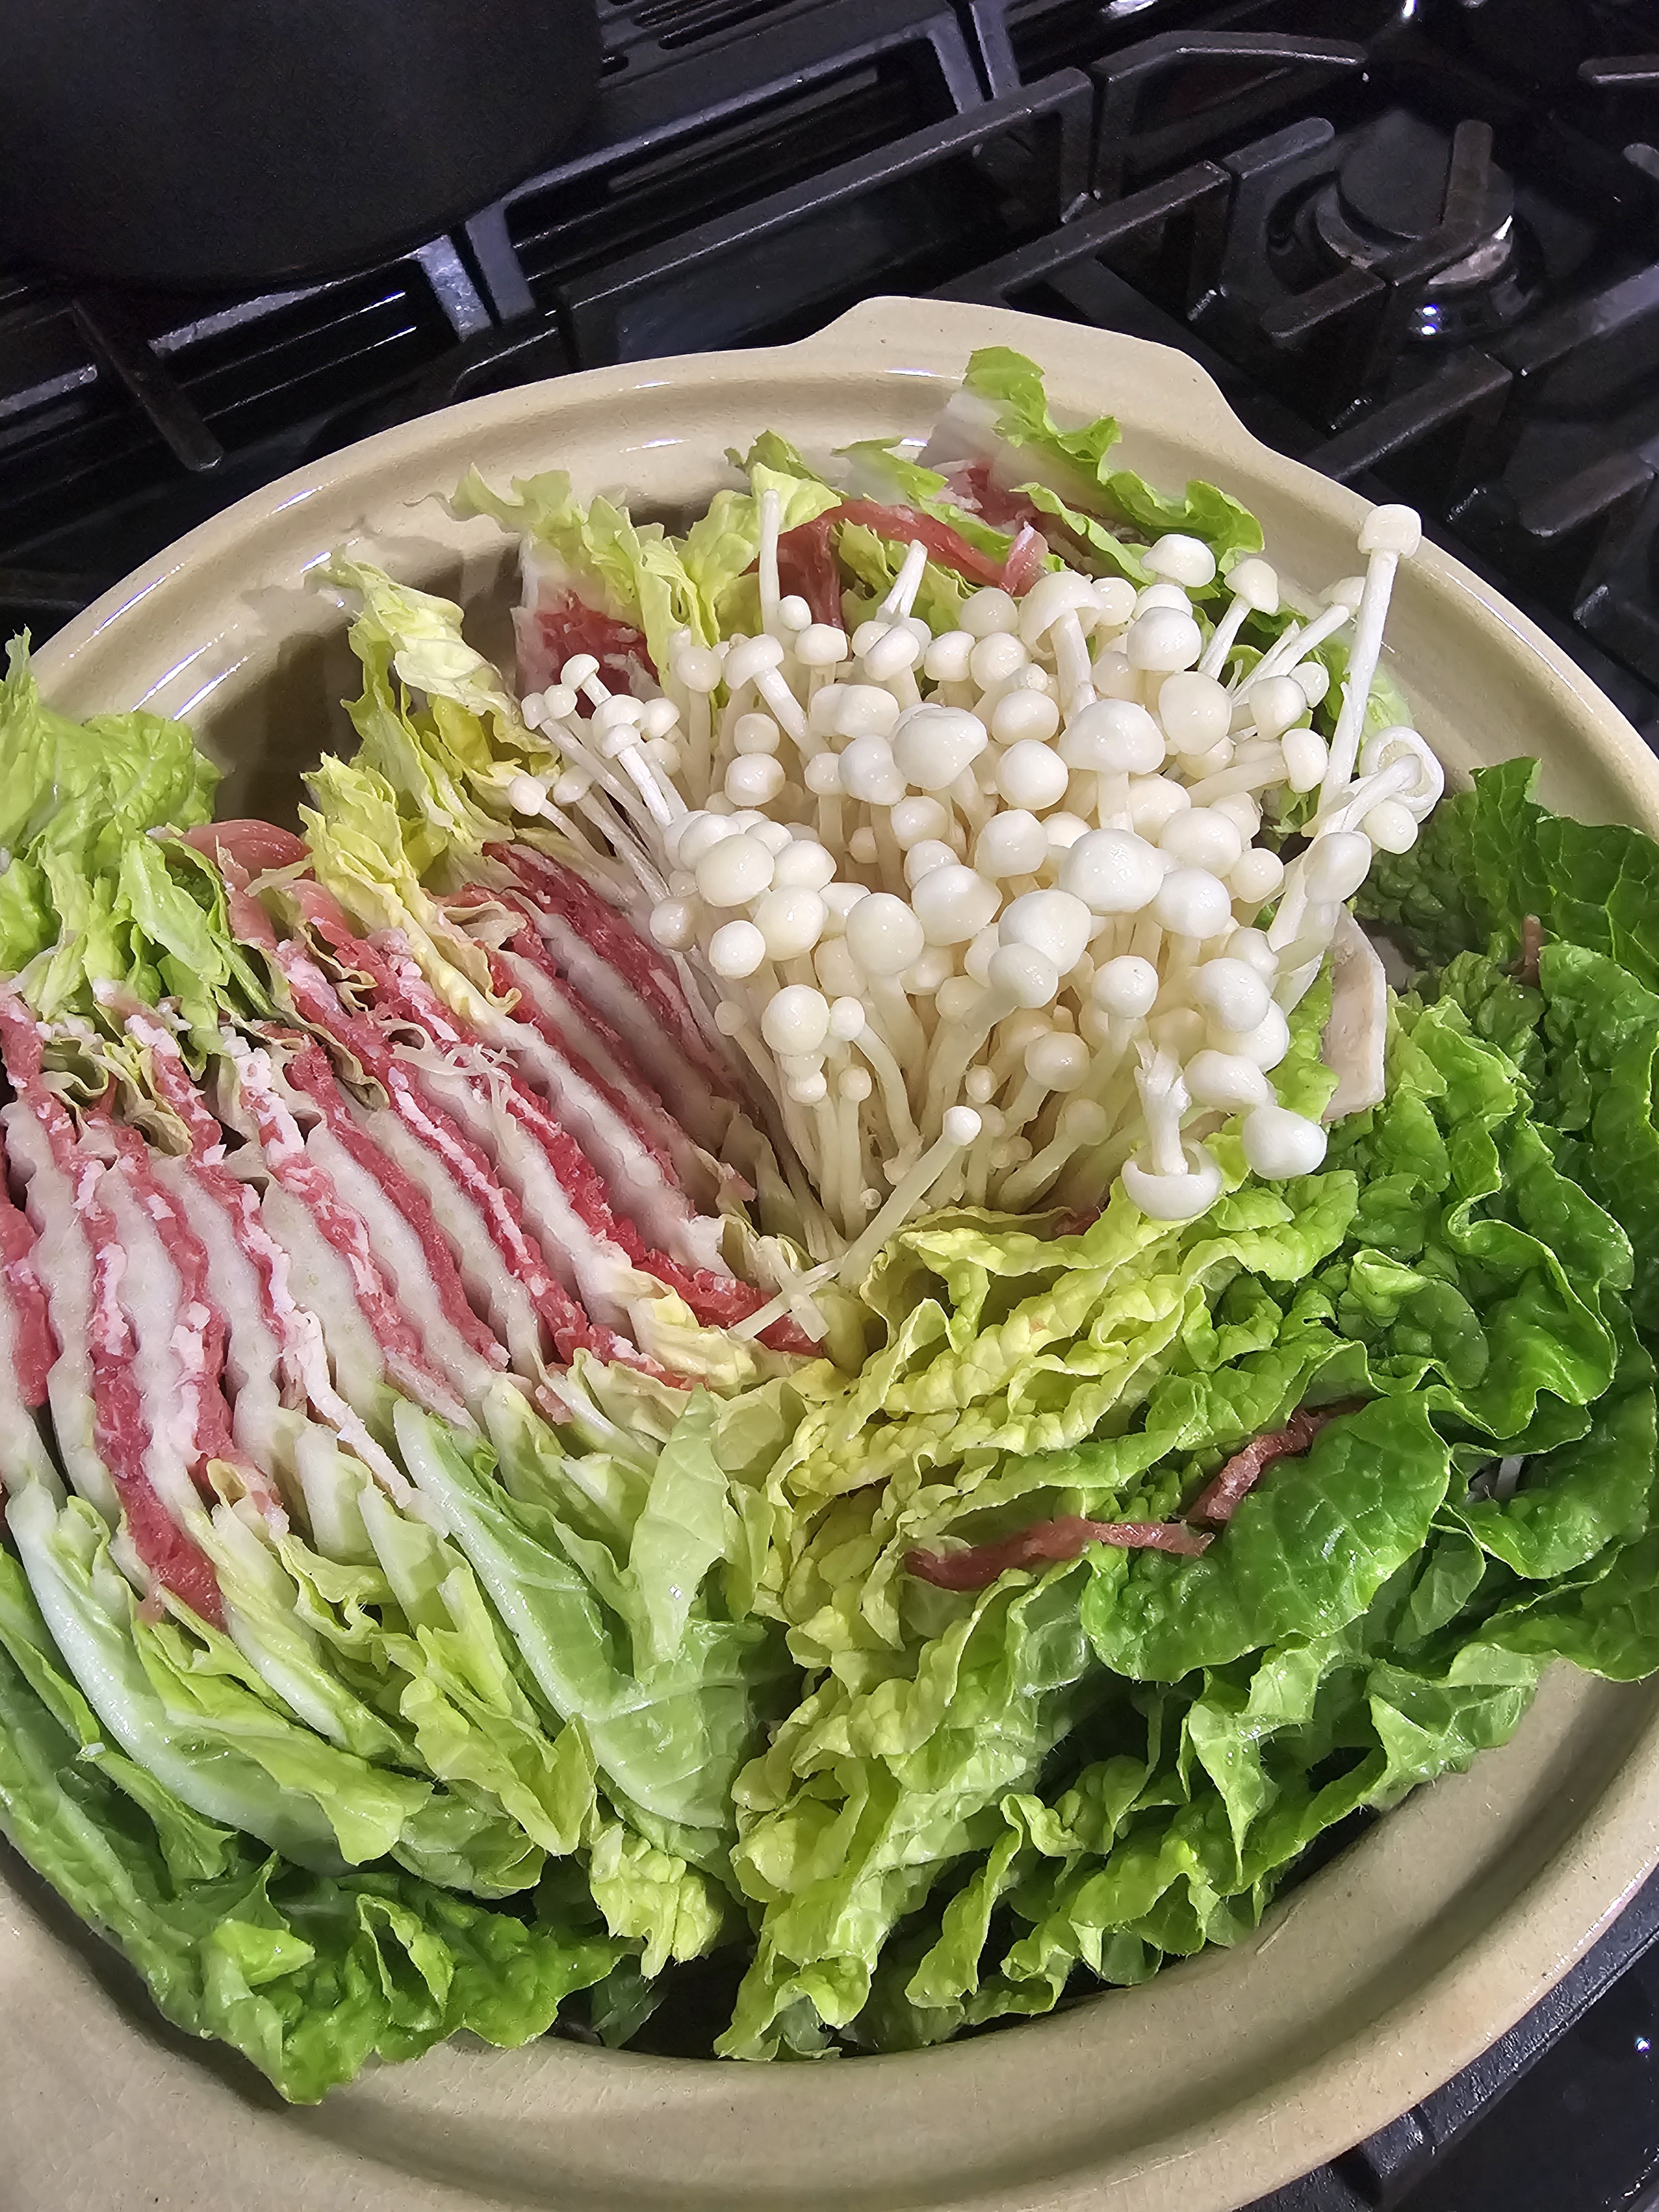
[1226, 2076]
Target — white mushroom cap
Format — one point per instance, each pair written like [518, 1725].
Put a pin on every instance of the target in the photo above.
[1278, 1144]
[796, 1019]
[996, 658]
[750, 657]
[790, 921]
[986, 611]
[1056, 922]
[1197, 837]
[736, 950]
[926, 854]
[1112, 871]
[734, 871]
[1062, 592]
[1192, 902]
[1126, 986]
[1011, 843]
[1174, 1197]
[1114, 598]
[1336, 865]
[1397, 529]
[1224, 1079]
[1022, 715]
[868, 772]
[1163, 638]
[1030, 774]
[1255, 582]
[1276, 704]
[1195, 710]
[883, 934]
[1025, 974]
[804, 864]
[932, 745]
[1184, 560]
[1114, 735]
[1057, 1060]
[1232, 993]
[952, 904]
[915, 819]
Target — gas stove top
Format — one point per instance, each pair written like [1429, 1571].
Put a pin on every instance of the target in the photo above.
[1416, 242]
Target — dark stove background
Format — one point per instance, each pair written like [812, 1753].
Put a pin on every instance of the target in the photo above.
[1415, 242]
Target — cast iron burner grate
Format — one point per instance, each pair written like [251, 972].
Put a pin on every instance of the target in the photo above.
[125, 421]
[1416, 242]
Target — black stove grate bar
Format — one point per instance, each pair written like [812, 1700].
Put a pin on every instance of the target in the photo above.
[1377, 304]
[1469, 393]
[117, 343]
[1261, 169]
[1125, 81]
[1602, 496]
[141, 364]
[1579, 356]
[1615, 604]
[452, 287]
[1183, 211]
[1576, 539]
[987, 25]
[1620, 72]
[643, 42]
[780, 57]
[715, 284]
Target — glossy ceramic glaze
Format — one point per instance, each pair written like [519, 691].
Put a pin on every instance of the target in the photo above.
[1225, 2076]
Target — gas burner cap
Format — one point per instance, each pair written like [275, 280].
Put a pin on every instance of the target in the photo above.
[1390, 191]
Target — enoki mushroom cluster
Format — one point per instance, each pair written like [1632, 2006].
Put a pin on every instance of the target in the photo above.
[984, 911]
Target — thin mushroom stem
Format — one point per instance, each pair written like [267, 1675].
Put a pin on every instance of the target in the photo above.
[1073, 668]
[902, 593]
[961, 1127]
[1213, 659]
[978, 1164]
[895, 1098]
[1245, 776]
[771, 516]
[1390, 535]
[1082, 1124]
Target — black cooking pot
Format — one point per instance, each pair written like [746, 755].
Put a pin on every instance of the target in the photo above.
[221, 144]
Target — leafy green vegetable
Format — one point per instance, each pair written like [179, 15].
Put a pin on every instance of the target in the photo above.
[882, 472]
[668, 1742]
[632, 572]
[307, 1975]
[180, 1704]
[723, 544]
[83, 791]
[1489, 856]
[1076, 461]
[1443, 1271]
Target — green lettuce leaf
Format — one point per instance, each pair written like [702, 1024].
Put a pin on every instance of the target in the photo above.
[723, 544]
[633, 572]
[357, 838]
[1489, 856]
[1304, 1554]
[1076, 464]
[666, 1745]
[884, 473]
[84, 790]
[180, 1703]
[309, 1976]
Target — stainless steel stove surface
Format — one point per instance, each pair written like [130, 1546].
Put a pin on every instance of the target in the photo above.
[1415, 242]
